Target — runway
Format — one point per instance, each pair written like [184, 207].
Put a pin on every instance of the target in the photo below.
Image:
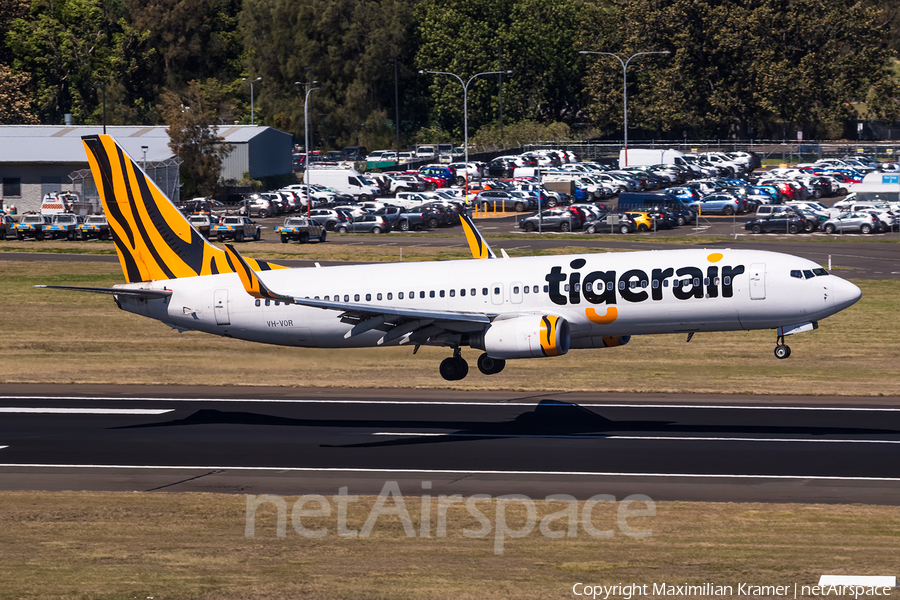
[290, 441]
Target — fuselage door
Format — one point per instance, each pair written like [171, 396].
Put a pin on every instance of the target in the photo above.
[497, 293]
[515, 292]
[758, 281]
[220, 307]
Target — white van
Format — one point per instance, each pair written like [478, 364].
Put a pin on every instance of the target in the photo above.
[345, 181]
[638, 157]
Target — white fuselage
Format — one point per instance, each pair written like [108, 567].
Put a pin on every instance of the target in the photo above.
[609, 294]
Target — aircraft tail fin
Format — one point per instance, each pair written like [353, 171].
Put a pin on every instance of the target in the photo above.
[477, 243]
[153, 239]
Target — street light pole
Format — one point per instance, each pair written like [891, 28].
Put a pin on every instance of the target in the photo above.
[624, 88]
[252, 81]
[396, 108]
[102, 87]
[309, 90]
[499, 50]
[465, 86]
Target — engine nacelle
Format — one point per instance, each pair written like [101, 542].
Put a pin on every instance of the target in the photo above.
[606, 341]
[532, 336]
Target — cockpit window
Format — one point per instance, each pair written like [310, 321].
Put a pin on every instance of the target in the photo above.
[820, 272]
[808, 274]
[797, 273]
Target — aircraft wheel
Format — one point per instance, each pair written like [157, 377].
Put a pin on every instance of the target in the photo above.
[490, 366]
[782, 351]
[454, 368]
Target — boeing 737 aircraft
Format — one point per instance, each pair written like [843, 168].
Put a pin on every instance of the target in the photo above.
[508, 308]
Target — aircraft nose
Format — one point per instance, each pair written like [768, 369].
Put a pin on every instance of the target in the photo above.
[844, 293]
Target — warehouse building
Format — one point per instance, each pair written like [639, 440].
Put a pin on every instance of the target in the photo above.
[38, 159]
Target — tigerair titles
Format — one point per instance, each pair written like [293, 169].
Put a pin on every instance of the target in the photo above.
[636, 285]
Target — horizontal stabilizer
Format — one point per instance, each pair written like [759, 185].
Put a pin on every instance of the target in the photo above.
[111, 291]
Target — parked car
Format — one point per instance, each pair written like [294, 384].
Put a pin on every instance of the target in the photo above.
[784, 220]
[95, 226]
[402, 219]
[725, 204]
[7, 226]
[329, 218]
[202, 223]
[554, 218]
[64, 226]
[499, 200]
[611, 223]
[501, 167]
[236, 228]
[32, 225]
[258, 206]
[862, 222]
[301, 229]
[365, 224]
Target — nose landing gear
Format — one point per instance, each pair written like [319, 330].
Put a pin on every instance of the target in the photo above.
[455, 367]
[782, 350]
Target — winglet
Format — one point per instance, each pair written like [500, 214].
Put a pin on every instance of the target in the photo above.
[477, 244]
[252, 283]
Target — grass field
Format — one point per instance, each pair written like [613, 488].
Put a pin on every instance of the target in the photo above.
[193, 546]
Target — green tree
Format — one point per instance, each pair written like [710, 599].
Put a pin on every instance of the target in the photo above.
[345, 45]
[773, 65]
[191, 118]
[536, 40]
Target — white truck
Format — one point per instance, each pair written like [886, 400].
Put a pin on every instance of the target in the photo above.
[345, 181]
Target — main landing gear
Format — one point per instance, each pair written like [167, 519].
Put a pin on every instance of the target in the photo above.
[782, 350]
[455, 367]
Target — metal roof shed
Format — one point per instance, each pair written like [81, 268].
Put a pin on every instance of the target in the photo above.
[259, 151]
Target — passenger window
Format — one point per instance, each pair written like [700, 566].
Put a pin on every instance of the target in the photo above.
[390, 296]
[267, 302]
[632, 284]
[716, 281]
[526, 289]
[277, 303]
[656, 284]
[412, 295]
[676, 283]
[327, 298]
[462, 292]
[621, 285]
[368, 297]
[484, 291]
[257, 302]
[727, 280]
[497, 290]
[706, 281]
[356, 297]
[546, 288]
[644, 283]
[431, 294]
[472, 292]
[421, 294]
[535, 290]
[400, 295]
[565, 288]
[452, 293]
[609, 286]
[378, 297]
[516, 289]
[346, 298]
[665, 283]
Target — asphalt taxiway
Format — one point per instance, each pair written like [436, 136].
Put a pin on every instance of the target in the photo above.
[295, 441]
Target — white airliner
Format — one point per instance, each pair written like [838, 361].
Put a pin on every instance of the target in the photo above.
[529, 307]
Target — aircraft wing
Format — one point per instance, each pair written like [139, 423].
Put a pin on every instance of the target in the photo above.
[420, 325]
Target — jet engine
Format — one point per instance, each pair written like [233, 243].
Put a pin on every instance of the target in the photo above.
[531, 336]
[606, 341]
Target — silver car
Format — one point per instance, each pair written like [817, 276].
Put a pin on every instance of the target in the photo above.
[862, 222]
